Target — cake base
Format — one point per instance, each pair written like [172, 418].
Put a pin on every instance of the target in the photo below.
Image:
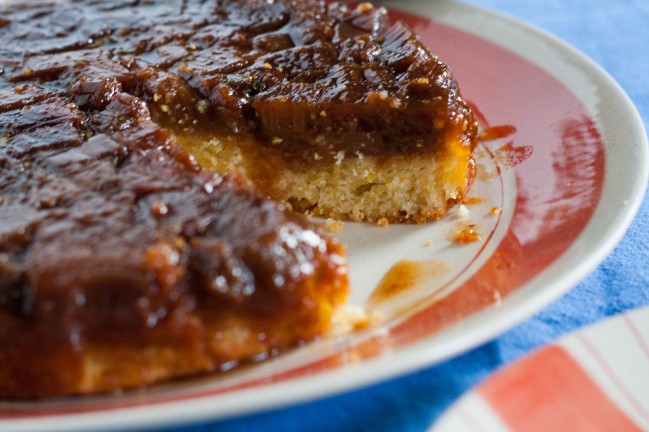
[398, 188]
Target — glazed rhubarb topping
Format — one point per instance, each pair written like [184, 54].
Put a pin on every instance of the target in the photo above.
[309, 78]
[110, 234]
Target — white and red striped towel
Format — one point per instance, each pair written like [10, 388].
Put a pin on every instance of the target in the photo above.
[592, 380]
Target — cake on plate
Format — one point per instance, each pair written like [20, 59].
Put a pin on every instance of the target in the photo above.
[151, 153]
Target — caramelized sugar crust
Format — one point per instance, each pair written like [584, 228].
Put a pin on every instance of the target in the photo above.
[306, 77]
[122, 261]
[309, 82]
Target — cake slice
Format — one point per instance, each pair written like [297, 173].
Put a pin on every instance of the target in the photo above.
[329, 108]
[124, 263]
[346, 115]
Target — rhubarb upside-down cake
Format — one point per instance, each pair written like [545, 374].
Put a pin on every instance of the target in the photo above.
[152, 154]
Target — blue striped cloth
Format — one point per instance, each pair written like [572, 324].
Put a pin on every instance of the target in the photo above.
[616, 35]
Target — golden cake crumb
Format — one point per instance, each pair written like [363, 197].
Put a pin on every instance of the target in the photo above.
[495, 211]
[333, 225]
[467, 235]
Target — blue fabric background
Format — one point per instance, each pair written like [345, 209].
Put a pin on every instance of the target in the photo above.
[615, 33]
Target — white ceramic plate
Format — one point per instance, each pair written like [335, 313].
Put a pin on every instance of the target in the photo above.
[596, 379]
[563, 210]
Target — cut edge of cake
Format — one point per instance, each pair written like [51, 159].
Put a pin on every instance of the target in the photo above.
[401, 188]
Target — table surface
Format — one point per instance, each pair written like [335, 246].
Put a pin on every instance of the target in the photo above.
[616, 35]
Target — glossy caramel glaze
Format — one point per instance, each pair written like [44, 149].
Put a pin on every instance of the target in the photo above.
[403, 277]
[308, 78]
[112, 238]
